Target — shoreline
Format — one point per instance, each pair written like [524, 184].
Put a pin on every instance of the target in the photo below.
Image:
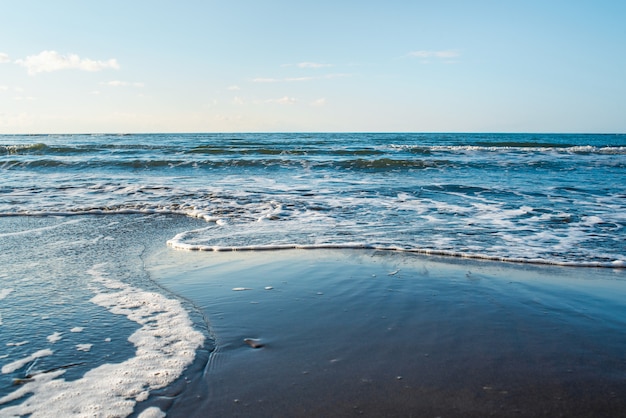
[377, 332]
[332, 332]
[177, 245]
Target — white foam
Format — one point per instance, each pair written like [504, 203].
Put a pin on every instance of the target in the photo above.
[591, 220]
[77, 329]
[165, 345]
[17, 344]
[4, 293]
[152, 412]
[37, 231]
[479, 227]
[84, 347]
[53, 338]
[18, 364]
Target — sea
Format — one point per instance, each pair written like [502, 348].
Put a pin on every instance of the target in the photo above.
[82, 322]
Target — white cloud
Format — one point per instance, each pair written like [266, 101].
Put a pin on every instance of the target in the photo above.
[47, 61]
[4, 57]
[434, 54]
[312, 65]
[286, 100]
[283, 100]
[3, 88]
[319, 102]
[234, 88]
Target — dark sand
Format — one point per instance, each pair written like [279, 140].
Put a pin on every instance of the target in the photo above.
[349, 333]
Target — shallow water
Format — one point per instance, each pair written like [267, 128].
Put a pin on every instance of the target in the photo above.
[83, 328]
[342, 331]
[384, 333]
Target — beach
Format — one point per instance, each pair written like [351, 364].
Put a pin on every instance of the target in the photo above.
[312, 209]
[375, 333]
[323, 274]
[309, 332]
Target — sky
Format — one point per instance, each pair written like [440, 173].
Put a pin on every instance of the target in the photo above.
[78, 66]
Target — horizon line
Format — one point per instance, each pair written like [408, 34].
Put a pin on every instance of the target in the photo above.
[313, 132]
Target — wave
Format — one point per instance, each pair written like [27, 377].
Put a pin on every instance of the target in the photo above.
[523, 144]
[515, 148]
[321, 150]
[523, 235]
[178, 243]
[23, 149]
[545, 199]
[288, 161]
[41, 148]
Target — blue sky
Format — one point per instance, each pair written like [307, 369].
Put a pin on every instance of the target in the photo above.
[340, 65]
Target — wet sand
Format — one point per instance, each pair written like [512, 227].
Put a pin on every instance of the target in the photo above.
[366, 333]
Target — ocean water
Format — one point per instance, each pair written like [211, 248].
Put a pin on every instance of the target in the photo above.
[83, 329]
[540, 198]
[83, 324]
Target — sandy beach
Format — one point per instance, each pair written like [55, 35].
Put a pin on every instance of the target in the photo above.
[371, 333]
[302, 333]
[312, 209]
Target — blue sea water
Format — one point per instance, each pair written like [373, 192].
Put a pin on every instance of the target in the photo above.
[542, 198]
[83, 324]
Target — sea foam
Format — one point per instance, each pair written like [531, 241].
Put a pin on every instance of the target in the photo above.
[4, 293]
[165, 345]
